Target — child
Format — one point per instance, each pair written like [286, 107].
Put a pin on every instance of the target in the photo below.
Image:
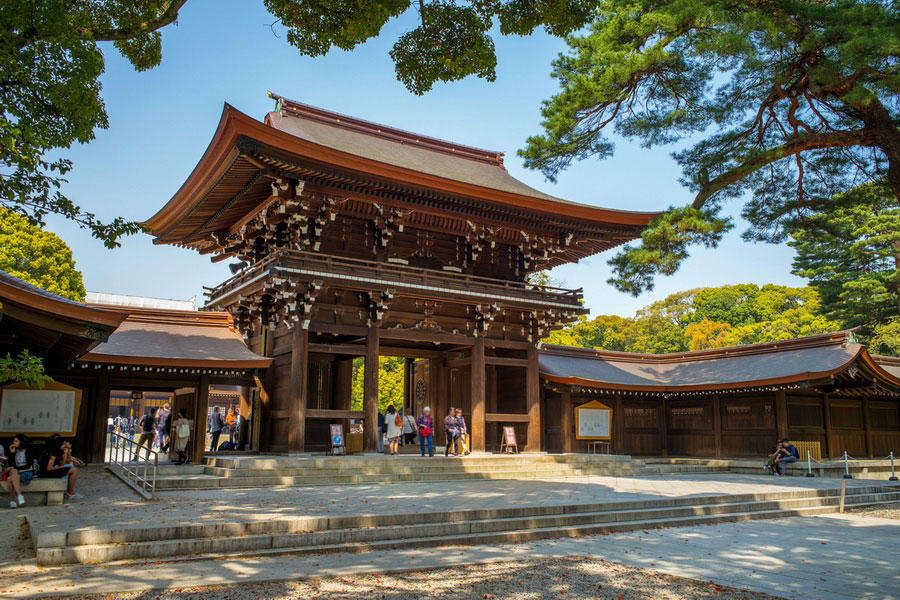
[19, 470]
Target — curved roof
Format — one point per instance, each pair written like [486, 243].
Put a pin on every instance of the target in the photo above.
[177, 338]
[756, 365]
[226, 182]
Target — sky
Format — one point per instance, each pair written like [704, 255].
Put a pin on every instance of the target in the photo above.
[225, 51]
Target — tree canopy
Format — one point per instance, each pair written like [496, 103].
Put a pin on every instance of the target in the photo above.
[51, 58]
[38, 257]
[794, 101]
[702, 318]
[390, 383]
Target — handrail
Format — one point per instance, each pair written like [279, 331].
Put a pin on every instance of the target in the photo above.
[401, 272]
[127, 465]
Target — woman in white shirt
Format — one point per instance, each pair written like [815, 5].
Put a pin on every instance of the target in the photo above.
[394, 424]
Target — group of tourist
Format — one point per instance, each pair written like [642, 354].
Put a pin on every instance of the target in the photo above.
[216, 425]
[402, 429]
[21, 463]
[783, 454]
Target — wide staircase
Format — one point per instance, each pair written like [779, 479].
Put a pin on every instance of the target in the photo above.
[376, 532]
[266, 471]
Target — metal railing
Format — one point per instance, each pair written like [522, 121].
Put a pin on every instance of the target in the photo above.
[126, 463]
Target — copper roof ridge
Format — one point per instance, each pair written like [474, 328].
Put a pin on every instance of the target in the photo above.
[394, 134]
[17, 291]
[813, 341]
[881, 358]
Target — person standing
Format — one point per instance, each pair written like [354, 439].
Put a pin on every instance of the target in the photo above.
[380, 434]
[394, 424]
[409, 428]
[182, 431]
[230, 420]
[452, 432]
[426, 431]
[148, 432]
[164, 425]
[462, 444]
[214, 426]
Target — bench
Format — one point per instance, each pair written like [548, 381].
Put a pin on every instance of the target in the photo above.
[40, 492]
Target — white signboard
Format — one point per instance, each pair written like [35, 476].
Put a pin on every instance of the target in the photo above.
[34, 411]
[593, 421]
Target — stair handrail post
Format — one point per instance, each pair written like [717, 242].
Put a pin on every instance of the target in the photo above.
[893, 476]
[847, 474]
[809, 472]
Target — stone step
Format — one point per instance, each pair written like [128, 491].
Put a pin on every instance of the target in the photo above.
[356, 533]
[375, 460]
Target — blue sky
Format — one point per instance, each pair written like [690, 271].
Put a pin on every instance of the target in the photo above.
[224, 51]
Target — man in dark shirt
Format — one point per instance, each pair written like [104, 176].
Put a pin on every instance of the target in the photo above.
[148, 432]
[789, 454]
[164, 423]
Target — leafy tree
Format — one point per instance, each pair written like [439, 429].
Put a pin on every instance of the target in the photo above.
[51, 59]
[796, 100]
[886, 339]
[25, 368]
[38, 257]
[390, 383]
[706, 334]
[851, 256]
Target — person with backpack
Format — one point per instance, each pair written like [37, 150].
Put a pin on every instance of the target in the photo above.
[214, 427]
[789, 454]
[394, 425]
[183, 428]
[147, 426]
[164, 426]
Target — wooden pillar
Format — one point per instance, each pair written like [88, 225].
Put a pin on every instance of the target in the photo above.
[266, 384]
[619, 426]
[533, 400]
[867, 422]
[830, 447]
[343, 387]
[408, 376]
[201, 407]
[781, 418]
[717, 423]
[477, 394]
[299, 376]
[567, 422]
[490, 434]
[370, 390]
[663, 425]
[98, 426]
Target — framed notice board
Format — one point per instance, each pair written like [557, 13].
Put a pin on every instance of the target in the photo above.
[39, 411]
[593, 421]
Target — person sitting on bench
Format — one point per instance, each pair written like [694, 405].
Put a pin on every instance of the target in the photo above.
[789, 454]
[777, 450]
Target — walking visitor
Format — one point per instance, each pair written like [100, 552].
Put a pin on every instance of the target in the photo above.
[452, 432]
[461, 442]
[426, 431]
[148, 432]
[394, 425]
[409, 428]
[183, 428]
[164, 424]
[214, 427]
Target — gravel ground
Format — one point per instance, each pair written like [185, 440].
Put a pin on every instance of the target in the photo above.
[884, 511]
[566, 578]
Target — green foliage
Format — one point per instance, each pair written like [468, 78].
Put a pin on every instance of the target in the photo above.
[886, 338]
[38, 257]
[390, 383]
[796, 100]
[704, 318]
[25, 368]
[851, 256]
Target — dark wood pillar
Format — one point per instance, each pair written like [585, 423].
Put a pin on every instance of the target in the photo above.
[370, 390]
[781, 418]
[717, 423]
[831, 449]
[619, 426]
[867, 423]
[490, 433]
[533, 400]
[299, 375]
[663, 428]
[343, 387]
[201, 408]
[477, 394]
[567, 422]
[98, 426]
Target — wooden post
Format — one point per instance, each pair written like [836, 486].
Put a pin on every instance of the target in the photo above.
[717, 424]
[343, 387]
[370, 390]
[490, 435]
[98, 427]
[867, 422]
[663, 425]
[831, 450]
[477, 394]
[201, 407]
[619, 426]
[298, 400]
[567, 422]
[533, 400]
[781, 418]
[408, 376]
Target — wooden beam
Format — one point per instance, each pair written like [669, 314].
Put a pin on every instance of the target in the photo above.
[506, 418]
[781, 419]
[370, 390]
[567, 422]
[315, 413]
[353, 350]
[298, 392]
[477, 394]
[533, 400]
[507, 362]
[98, 427]
[717, 424]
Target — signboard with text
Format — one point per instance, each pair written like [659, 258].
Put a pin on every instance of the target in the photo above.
[593, 421]
[39, 411]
